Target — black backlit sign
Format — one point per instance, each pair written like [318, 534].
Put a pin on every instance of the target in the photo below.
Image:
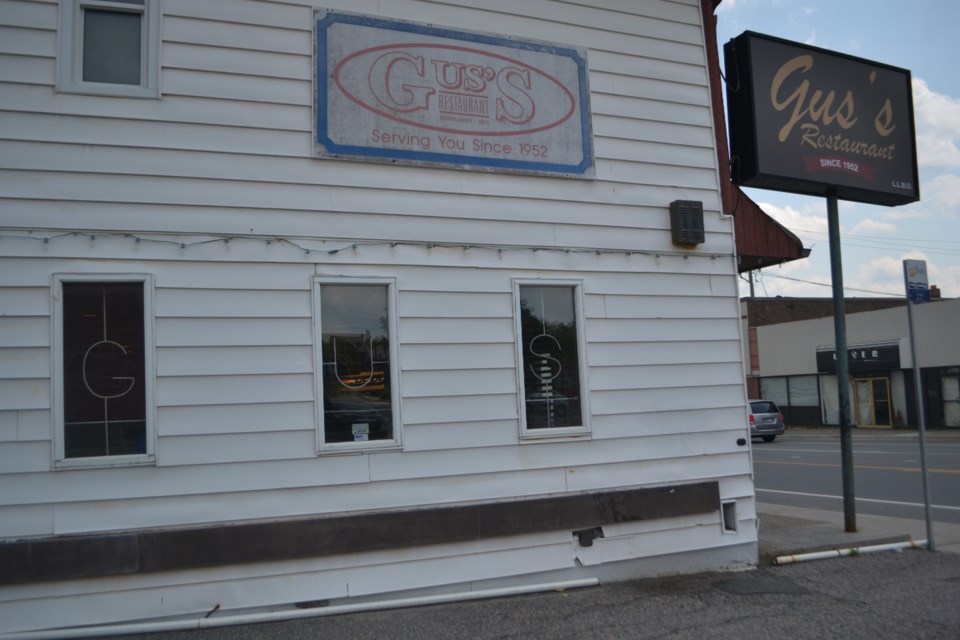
[862, 359]
[812, 121]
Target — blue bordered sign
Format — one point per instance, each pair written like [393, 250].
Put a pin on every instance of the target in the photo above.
[403, 92]
[915, 280]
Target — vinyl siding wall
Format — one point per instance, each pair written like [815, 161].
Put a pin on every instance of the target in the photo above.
[226, 152]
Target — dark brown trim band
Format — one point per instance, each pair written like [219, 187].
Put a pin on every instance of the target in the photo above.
[173, 549]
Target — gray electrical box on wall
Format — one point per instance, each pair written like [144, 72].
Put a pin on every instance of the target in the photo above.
[686, 221]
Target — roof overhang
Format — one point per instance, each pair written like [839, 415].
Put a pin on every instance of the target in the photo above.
[761, 240]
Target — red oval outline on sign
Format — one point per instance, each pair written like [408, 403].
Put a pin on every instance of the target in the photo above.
[385, 114]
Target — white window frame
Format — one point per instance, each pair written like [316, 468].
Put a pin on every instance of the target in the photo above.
[70, 58]
[396, 442]
[584, 429]
[149, 457]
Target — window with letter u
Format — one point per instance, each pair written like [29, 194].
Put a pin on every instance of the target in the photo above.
[356, 363]
[550, 352]
[103, 363]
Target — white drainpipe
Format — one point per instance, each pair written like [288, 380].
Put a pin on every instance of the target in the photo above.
[852, 551]
[281, 616]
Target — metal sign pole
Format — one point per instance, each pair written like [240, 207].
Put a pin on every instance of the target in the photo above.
[923, 293]
[843, 385]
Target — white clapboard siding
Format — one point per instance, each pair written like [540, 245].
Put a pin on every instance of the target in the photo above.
[466, 408]
[37, 99]
[426, 384]
[724, 393]
[230, 35]
[29, 15]
[191, 57]
[21, 42]
[24, 331]
[27, 362]
[170, 481]
[674, 307]
[29, 424]
[664, 471]
[235, 419]
[221, 332]
[669, 420]
[452, 435]
[21, 522]
[131, 514]
[234, 389]
[662, 375]
[231, 303]
[23, 457]
[444, 357]
[539, 455]
[26, 70]
[128, 160]
[238, 447]
[234, 360]
[656, 330]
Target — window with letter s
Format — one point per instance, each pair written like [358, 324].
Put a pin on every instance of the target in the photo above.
[103, 371]
[550, 352]
[357, 364]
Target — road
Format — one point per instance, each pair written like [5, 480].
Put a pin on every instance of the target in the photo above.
[802, 469]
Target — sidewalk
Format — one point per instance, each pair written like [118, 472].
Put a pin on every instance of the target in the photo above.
[794, 530]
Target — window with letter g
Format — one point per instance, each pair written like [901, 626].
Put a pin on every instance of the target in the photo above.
[103, 362]
[550, 352]
[357, 364]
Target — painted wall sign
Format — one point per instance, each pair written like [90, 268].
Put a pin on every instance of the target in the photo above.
[402, 92]
[812, 121]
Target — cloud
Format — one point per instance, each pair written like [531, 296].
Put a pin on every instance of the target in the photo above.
[942, 195]
[937, 118]
[869, 226]
[808, 225]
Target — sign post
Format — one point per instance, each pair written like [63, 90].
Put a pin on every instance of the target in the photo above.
[915, 282]
[843, 365]
[812, 121]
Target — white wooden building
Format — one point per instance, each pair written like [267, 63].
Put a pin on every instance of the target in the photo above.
[178, 261]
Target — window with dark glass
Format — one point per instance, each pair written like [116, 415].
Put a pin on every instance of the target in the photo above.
[104, 370]
[356, 367]
[550, 356]
[110, 47]
[112, 44]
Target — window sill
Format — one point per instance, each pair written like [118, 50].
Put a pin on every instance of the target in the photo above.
[105, 462]
[354, 448]
[553, 435]
[110, 90]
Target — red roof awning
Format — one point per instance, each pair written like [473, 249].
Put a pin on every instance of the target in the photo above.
[761, 240]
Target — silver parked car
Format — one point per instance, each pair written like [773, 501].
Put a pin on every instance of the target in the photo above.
[766, 420]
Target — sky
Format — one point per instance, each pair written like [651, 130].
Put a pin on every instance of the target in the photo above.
[920, 36]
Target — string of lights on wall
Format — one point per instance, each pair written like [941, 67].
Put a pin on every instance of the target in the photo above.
[183, 243]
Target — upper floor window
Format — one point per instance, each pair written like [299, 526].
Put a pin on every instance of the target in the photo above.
[110, 47]
[357, 363]
[551, 352]
[103, 363]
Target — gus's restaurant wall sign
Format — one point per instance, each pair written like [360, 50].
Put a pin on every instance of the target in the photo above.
[402, 92]
[811, 121]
